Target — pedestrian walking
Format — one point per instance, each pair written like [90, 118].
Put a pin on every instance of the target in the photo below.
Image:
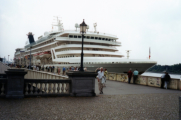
[97, 70]
[163, 80]
[130, 74]
[167, 79]
[135, 76]
[100, 78]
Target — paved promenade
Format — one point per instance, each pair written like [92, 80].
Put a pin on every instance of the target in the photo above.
[120, 101]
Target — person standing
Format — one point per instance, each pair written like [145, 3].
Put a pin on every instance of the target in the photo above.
[37, 68]
[135, 76]
[162, 80]
[59, 71]
[99, 78]
[105, 74]
[130, 74]
[64, 70]
[167, 79]
[53, 69]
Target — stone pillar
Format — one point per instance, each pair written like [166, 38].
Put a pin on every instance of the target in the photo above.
[180, 108]
[82, 83]
[15, 83]
[3, 75]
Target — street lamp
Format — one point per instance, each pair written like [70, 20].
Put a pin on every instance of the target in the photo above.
[8, 59]
[83, 28]
[31, 41]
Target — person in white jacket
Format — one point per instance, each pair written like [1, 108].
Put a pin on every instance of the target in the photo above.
[100, 79]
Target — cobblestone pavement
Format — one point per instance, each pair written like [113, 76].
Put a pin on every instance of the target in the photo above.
[103, 107]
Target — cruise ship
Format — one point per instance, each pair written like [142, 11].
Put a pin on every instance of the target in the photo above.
[62, 48]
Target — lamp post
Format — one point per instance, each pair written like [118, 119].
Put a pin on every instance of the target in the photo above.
[30, 58]
[31, 41]
[8, 59]
[83, 28]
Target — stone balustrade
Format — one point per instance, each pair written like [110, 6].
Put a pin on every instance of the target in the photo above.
[47, 87]
[145, 80]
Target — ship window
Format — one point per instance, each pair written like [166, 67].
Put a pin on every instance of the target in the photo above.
[75, 36]
[109, 39]
[96, 38]
[79, 36]
[84, 36]
[70, 36]
[106, 39]
[103, 38]
[92, 37]
[88, 37]
[99, 38]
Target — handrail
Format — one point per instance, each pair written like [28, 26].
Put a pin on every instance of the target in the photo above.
[47, 81]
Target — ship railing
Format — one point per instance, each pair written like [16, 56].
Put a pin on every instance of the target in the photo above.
[91, 32]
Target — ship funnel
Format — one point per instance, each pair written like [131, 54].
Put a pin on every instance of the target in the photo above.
[30, 37]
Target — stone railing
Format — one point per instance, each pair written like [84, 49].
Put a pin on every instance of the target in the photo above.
[34, 74]
[3, 67]
[145, 80]
[16, 83]
[47, 87]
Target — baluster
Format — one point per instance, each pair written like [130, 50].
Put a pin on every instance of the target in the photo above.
[54, 87]
[58, 88]
[45, 89]
[2, 89]
[36, 89]
[40, 88]
[26, 89]
[67, 88]
[62, 88]
[50, 87]
[31, 89]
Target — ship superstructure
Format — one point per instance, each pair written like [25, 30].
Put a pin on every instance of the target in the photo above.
[63, 48]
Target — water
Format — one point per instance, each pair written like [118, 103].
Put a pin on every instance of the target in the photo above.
[160, 74]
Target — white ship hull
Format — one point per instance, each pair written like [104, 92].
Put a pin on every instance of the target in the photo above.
[63, 48]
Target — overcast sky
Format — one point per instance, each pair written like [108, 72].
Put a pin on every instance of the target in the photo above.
[138, 24]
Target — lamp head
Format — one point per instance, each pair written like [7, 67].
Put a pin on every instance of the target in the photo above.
[83, 27]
